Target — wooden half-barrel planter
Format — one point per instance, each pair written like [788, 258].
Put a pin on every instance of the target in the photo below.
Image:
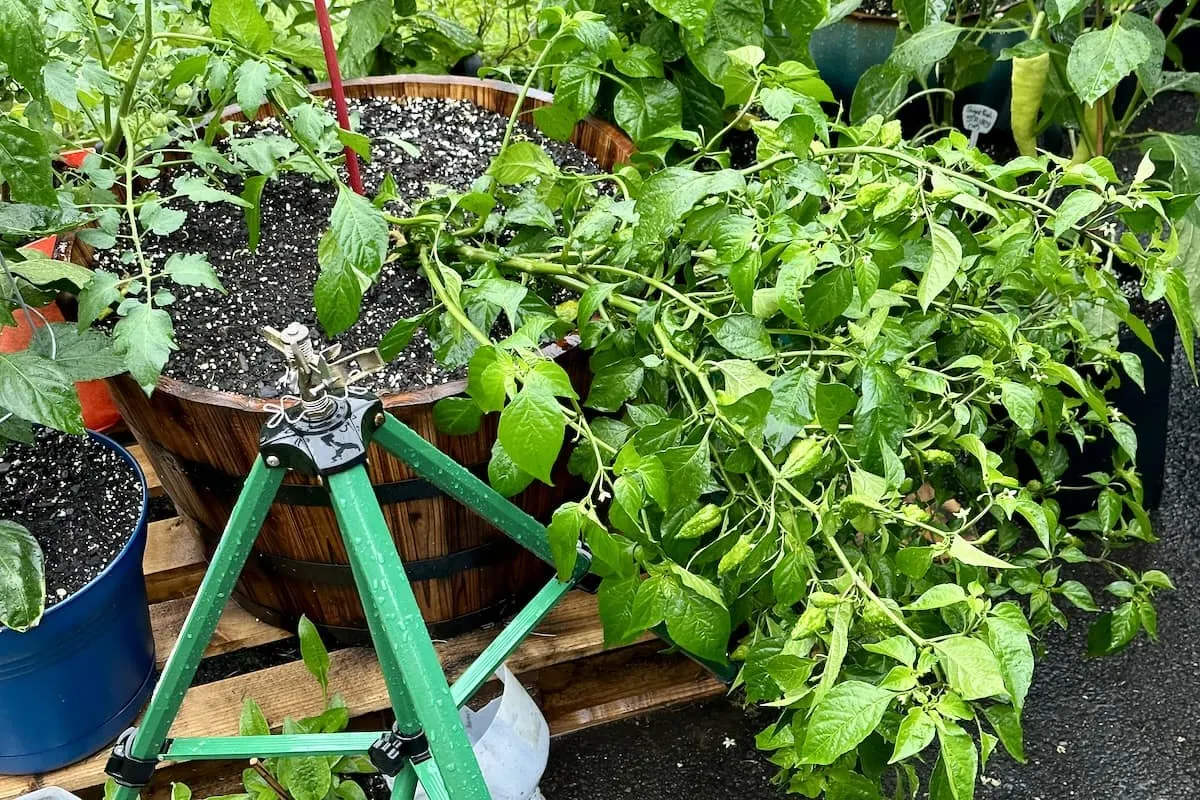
[464, 572]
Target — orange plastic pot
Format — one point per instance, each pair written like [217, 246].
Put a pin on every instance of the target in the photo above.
[99, 411]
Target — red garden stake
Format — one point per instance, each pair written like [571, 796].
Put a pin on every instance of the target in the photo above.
[339, 96]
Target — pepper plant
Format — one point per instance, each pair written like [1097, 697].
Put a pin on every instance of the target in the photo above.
[941, 48]
[380, 37]
[1088, 68]
[667, 71]
[1094, 68]
[824, 433]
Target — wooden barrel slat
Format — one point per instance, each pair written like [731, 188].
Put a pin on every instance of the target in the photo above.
[203, 442]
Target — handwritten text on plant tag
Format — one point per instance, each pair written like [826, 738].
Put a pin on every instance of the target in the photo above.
[977, 119]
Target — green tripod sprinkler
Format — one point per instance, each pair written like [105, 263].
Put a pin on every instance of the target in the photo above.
[326, 435]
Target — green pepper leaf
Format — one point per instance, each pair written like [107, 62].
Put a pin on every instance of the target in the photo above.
[25, 160]
[881, 418]
[926, 47]
[368, 22]
[1074, 208]
[944, 262]
[242, 21]
[959, 758]
[22, 576]
[1099, 59]
[337, 293]
[38, 390]
[521, 162]
[506, 477]
[690, 14]
[532, 429]
[1007, 723]
[971, 668]
[742, 335]
[915, 734]
[457, 415]
[695, 621]
[565, 530]
[829, 296]
[647, 106]
[841, 719]
[23, 44]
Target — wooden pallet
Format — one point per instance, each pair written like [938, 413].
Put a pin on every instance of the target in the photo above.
[577, 682]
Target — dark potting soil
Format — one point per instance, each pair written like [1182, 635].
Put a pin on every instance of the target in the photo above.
[78, 498]
[1171, 112]
[743, 148]
[885, 8]
[427, 145]
[878, 8]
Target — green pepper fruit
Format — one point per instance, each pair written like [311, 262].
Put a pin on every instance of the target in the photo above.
[701, 522]
[1028, 87]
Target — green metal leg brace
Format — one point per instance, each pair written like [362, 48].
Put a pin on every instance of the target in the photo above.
[425, 705]
[415, 684]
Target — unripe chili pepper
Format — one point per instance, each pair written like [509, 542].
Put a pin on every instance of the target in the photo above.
[1028, 87]
[1029, 76]
[701, 522]
[803, 457]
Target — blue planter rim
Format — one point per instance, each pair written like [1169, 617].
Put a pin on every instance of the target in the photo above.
[128, 458]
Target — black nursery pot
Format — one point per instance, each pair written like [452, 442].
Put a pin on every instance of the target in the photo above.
[1147, 413]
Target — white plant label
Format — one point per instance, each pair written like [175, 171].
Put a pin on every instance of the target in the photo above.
[977, 119]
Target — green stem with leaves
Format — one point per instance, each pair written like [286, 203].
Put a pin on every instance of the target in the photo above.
[119, 127]
[519, 103]
[673, 353]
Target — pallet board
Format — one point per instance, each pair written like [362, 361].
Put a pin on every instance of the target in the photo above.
[152, 481]
[577, 681]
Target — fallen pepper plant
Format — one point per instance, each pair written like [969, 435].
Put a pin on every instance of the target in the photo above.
[825, 428]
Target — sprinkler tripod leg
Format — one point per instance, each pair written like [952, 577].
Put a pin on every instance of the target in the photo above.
[128, 764]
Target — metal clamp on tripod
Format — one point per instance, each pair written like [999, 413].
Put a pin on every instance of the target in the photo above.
[327, 433]
[328, 430]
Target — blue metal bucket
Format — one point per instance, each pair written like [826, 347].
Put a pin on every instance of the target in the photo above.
[71, 684]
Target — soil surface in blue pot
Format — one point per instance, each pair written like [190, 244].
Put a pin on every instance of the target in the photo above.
[75, 680]
[78, 498]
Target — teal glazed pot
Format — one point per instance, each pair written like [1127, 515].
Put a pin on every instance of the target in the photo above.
[843, 51]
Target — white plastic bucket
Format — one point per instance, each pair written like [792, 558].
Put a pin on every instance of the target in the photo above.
[511, 741]
[49, 793]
